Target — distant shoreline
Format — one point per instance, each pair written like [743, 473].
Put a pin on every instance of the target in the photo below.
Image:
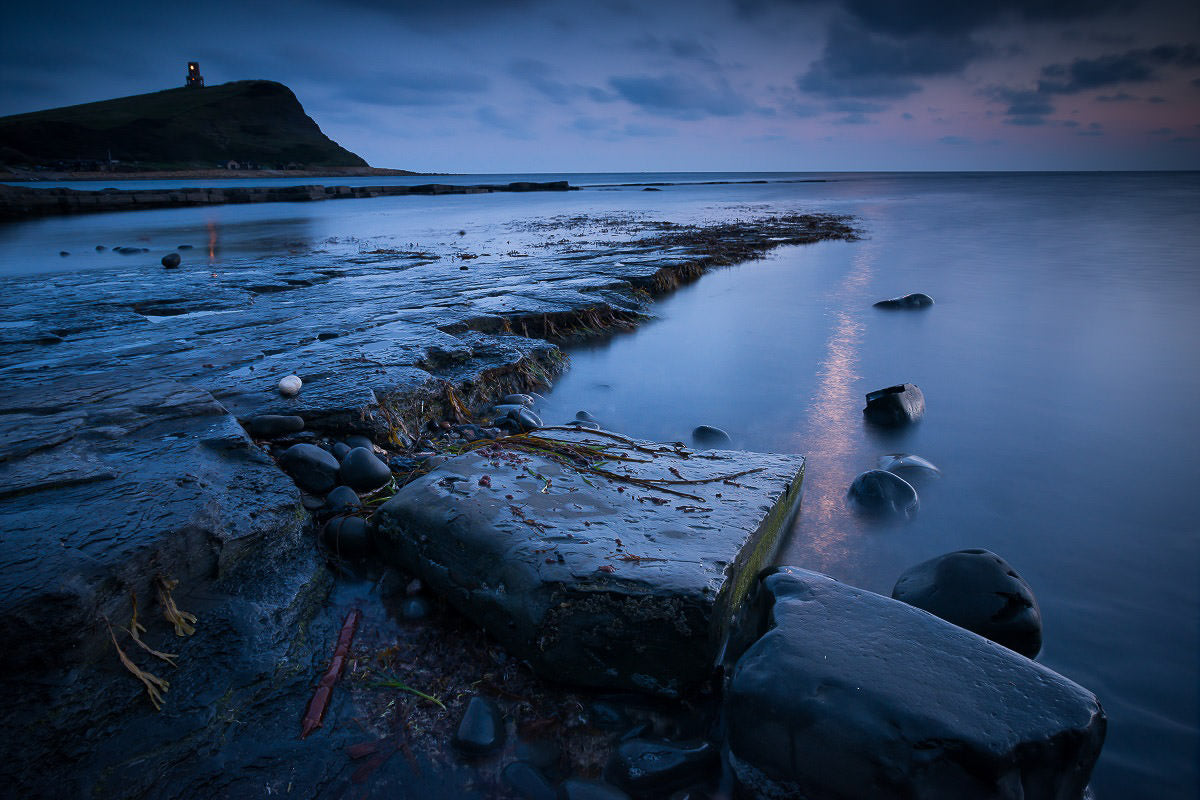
[31, 176]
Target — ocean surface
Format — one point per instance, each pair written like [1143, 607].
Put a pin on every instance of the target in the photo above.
[1060, 366]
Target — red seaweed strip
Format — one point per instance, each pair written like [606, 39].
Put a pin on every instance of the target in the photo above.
[319, 704]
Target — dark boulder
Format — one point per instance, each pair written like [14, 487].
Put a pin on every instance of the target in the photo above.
[578, 789]
[342, 498]
[362, 471]
[340, 450]
[879, 493]
[528, 782]
[895, 405]
[481, 728]
[647, 768]
[269, 426]
[525, 419]
[171, 260]
[977, 590]
[914, 300]
[849, 694]
[347, 536]
[312, 468]
[358, 440]
[711, 438]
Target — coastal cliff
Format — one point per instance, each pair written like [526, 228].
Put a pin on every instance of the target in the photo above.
[256, 121]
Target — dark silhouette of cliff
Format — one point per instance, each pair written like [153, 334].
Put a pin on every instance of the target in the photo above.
[248, 122]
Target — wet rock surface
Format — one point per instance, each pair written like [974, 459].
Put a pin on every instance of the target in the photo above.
[123, 462]
[895, 406]
[911, 468]
[849, 694]
[980, 591]
[616, 580]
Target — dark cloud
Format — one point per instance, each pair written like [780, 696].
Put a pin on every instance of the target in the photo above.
[540, 76]
[1119, 97]
[1133, 66]
[681, 96]
[857, 62]
[439, 13]
[945, 17]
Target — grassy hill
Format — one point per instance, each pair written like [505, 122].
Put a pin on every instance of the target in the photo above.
[185, 128]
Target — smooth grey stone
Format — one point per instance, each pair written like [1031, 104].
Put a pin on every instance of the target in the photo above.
[648, 768]
[911, 468]
[347, 536]
[340, 450]
[711, 438]
[525, 419]
[881, 493]
[980, 591]
[517, 399]
[481, 728]
[914, 300]
[584, 416]
[358, 440]
[269, 426]
[342, 498]
[577, 789]
[312, 468]
[528, 782]
[895, 406]
[362, 471]
[171, 260]
[849, 694]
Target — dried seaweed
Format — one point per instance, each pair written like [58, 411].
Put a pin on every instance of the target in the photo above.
[135, 630]
[155, 686]
[182, 620]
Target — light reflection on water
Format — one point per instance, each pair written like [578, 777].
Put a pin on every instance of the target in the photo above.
[830, 434]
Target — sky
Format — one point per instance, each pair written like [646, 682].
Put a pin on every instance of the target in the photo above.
[662, 85]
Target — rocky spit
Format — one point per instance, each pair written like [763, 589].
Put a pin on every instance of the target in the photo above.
[398, 580]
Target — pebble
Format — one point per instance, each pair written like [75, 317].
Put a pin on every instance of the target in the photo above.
[517, 399]
[481, 728]
[312, 468]
[290, 386]
[361, 470]
[584, 416]
[171, 260]
[526, 420]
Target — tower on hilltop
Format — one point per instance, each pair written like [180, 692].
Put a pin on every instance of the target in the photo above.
[194, 78]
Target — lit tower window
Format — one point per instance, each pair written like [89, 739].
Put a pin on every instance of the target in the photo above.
[194, 78]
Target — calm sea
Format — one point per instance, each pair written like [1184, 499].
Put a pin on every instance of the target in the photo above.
[1060, 365]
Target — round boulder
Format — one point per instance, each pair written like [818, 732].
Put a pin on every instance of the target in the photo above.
[883, 494]
[171, 260]
[977, 590]
[362, 471]
[312, 468]
[911, 468]
[347, 536]
[709, 437]
[895, 406]
[269, 426]
[526, 420]
[914, 300]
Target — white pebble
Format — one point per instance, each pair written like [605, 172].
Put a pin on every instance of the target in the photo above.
[290, 386]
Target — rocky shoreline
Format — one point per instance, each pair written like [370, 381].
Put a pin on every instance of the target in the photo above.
[143, 476]
[21, 202]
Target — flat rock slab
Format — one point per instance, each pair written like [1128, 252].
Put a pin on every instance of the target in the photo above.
[849, 694]
[597, 581]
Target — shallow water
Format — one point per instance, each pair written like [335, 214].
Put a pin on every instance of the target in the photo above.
[1059, 368]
